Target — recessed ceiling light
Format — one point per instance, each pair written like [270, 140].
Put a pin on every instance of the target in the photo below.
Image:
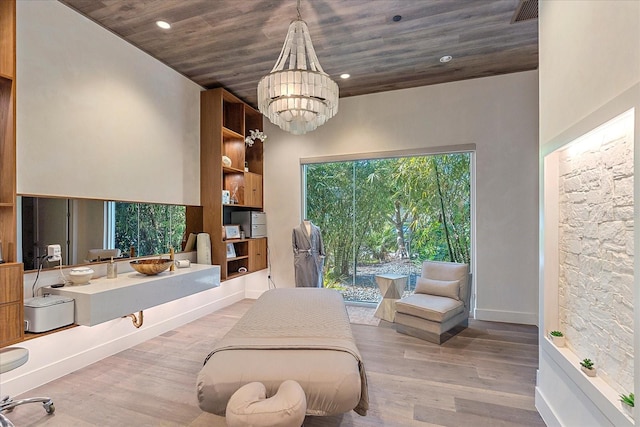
[345, 76]
[163, 24]
[446, 58]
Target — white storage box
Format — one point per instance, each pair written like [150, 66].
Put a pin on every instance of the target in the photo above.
[42, 314]
[254, 224]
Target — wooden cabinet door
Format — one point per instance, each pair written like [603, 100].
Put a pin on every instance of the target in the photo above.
[257, 254]
[11, 304]
[252, 189]
[11, 288]
[12, 324]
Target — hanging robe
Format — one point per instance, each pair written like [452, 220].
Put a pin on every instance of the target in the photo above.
[308, 256]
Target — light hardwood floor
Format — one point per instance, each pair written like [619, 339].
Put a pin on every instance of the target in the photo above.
[484, 376]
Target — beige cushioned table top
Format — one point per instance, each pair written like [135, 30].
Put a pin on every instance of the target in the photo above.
[300, 334]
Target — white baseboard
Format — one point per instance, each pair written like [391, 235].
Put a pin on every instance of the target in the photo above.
[506, 316]
[253, 294]
[545, 410]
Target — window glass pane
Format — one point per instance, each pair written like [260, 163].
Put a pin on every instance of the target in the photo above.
[387, 216]
[329, 205]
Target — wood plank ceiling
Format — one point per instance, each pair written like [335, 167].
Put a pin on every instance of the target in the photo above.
[234, 43]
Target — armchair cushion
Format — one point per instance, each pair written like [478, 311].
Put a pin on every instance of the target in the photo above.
[440, 270]
[430, 307]
[442, 288]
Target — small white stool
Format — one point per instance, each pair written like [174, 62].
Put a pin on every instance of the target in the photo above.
[391, 287]
[12, 358]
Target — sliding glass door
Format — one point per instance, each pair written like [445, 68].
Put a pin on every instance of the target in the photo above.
[386, 216]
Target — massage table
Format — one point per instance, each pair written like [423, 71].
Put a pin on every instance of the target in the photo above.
[299, 334]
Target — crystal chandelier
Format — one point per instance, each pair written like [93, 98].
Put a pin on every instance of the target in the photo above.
[302, 97]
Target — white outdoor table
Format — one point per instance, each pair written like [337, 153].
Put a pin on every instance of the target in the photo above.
[391, 287]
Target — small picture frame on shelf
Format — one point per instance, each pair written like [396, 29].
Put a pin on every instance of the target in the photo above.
[232, 231]
[231, 250]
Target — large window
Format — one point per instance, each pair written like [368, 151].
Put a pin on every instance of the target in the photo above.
[387, 216]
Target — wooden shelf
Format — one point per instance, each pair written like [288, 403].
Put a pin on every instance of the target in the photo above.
[231, 134]
[225, 121]
[226, 169]
[31, 335]
[235, 274]
[238, 258]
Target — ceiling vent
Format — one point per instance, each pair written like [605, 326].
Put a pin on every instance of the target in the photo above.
[527, 9]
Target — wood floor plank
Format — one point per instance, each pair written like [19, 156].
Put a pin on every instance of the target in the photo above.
[501, 412]
[455, 419]
[484, 376]
[444, 373]
[469, 357]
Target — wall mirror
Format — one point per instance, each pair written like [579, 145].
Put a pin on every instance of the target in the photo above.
[94, 230]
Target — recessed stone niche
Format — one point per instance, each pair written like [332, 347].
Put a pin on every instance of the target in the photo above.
[589, 234]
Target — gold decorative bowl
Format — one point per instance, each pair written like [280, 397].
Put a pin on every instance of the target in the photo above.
[151, 266]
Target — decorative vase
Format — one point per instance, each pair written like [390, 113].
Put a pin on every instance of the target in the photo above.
[589, 372]
[558, 341]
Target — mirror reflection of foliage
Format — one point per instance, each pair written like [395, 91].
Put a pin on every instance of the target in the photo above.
[149, 228]
[372, 210]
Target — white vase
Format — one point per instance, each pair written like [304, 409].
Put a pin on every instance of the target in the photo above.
[588, 372]
[558, 341]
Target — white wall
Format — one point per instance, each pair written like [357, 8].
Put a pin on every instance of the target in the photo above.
[595, 251]
[589, 74]
[588, 55]
[497, 114]
[97, 117]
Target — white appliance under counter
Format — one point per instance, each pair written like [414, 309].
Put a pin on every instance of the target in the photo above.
[106, 299]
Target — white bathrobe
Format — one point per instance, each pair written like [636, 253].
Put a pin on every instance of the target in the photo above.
[308, 256]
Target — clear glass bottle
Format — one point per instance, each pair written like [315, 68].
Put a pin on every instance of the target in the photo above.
[112, 270]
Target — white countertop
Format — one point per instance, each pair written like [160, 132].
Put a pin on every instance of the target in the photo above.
[105, 299]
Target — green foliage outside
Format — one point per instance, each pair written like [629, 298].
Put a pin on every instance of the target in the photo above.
[150, 228]
[372, 211]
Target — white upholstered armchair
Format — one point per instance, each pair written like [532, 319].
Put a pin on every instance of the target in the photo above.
[441, 302]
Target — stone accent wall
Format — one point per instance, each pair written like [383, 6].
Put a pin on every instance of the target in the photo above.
[595, 253]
